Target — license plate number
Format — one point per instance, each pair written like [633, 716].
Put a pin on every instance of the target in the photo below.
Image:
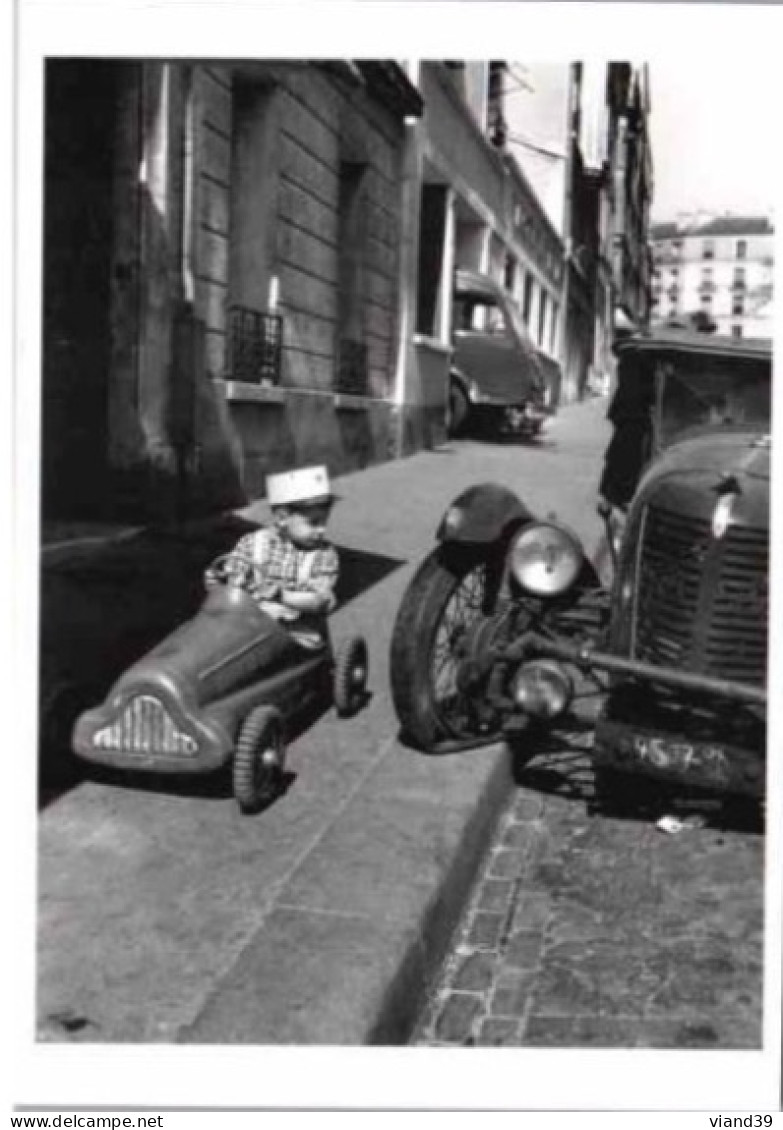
[705, 762]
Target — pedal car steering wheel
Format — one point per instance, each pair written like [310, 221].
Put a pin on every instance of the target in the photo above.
[231, 570]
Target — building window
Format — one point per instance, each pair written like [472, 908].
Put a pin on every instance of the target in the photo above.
[432, 232]
[708, 249]
[527, 298]
[742, 248]
[510, 273]
[738, 306]
[351, 362]
[739, 278]
[676, 246]
[542, 308]
[253, 330]
[553, 328]
[736, 331]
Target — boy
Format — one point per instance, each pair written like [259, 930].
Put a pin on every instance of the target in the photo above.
[289, 567]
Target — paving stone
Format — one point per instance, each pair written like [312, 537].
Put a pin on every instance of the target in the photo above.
[523, 949]
[511, 995]
[455, 1022]
[618, 937]
[495, 894]
[505, 864]
[475, 972]
[585, 988]
[532, 911]
[528, 805]
[579, 1031]
[485, 930]
[499, 1033]
[717, 1032]
[629, 1032]
[519, 837]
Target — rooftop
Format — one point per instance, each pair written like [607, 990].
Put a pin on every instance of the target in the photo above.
[712, 226]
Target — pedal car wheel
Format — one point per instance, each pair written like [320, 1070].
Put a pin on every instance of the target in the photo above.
[350, 676]
[454, 589]
[259, 759]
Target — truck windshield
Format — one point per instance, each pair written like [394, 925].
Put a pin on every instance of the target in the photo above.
[712, 392]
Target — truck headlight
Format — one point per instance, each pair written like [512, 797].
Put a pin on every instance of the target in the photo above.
[542, 688]
[545, 559]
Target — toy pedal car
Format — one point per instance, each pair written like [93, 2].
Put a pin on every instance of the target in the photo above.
[210, 693]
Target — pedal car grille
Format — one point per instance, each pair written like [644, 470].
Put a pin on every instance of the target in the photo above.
[701, 600]
[145, 726]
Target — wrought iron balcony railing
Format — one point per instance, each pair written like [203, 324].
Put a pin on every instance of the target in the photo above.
[255, 341]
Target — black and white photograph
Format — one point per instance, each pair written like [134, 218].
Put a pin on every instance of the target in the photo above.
[398, 540]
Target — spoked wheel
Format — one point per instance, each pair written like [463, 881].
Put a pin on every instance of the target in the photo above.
[259, 759]
[454, 590]
[350, 676]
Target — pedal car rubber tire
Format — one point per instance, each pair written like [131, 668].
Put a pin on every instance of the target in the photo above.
[427, 723]
[350, 676]
[259, 759]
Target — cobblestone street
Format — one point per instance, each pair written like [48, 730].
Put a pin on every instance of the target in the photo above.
[588, 928]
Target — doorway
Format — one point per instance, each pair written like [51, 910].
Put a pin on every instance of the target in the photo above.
[80, 109]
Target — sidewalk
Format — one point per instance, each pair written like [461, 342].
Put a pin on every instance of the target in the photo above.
[324, 919]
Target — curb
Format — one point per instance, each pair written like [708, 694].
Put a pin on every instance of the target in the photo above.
[322, 968]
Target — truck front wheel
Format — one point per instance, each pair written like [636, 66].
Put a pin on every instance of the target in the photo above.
[454, 589]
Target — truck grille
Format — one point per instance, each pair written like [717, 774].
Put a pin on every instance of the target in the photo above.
[144, 727]
[702, 601]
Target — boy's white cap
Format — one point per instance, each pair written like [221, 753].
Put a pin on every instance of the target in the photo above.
[308, 484]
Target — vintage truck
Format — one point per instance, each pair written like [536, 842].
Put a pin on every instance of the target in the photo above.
[507, 615]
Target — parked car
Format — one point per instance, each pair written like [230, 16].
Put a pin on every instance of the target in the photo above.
[498, 376]
[507, 618]
[203, 697]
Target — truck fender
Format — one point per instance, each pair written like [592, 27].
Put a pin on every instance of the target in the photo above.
[483, 513]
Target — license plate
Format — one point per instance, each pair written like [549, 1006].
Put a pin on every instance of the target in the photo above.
[708, 763]
[705, 763]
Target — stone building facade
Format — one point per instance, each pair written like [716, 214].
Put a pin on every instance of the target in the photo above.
[221, 288]
[579, 132]
[248, 265]
[467, 204]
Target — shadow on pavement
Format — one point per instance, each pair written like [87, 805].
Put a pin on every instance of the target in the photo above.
[104, 609]
[559, 763]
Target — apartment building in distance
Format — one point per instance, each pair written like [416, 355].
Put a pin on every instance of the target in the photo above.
[721, 266]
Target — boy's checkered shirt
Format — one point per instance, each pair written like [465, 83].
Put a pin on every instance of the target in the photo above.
[284, 565]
